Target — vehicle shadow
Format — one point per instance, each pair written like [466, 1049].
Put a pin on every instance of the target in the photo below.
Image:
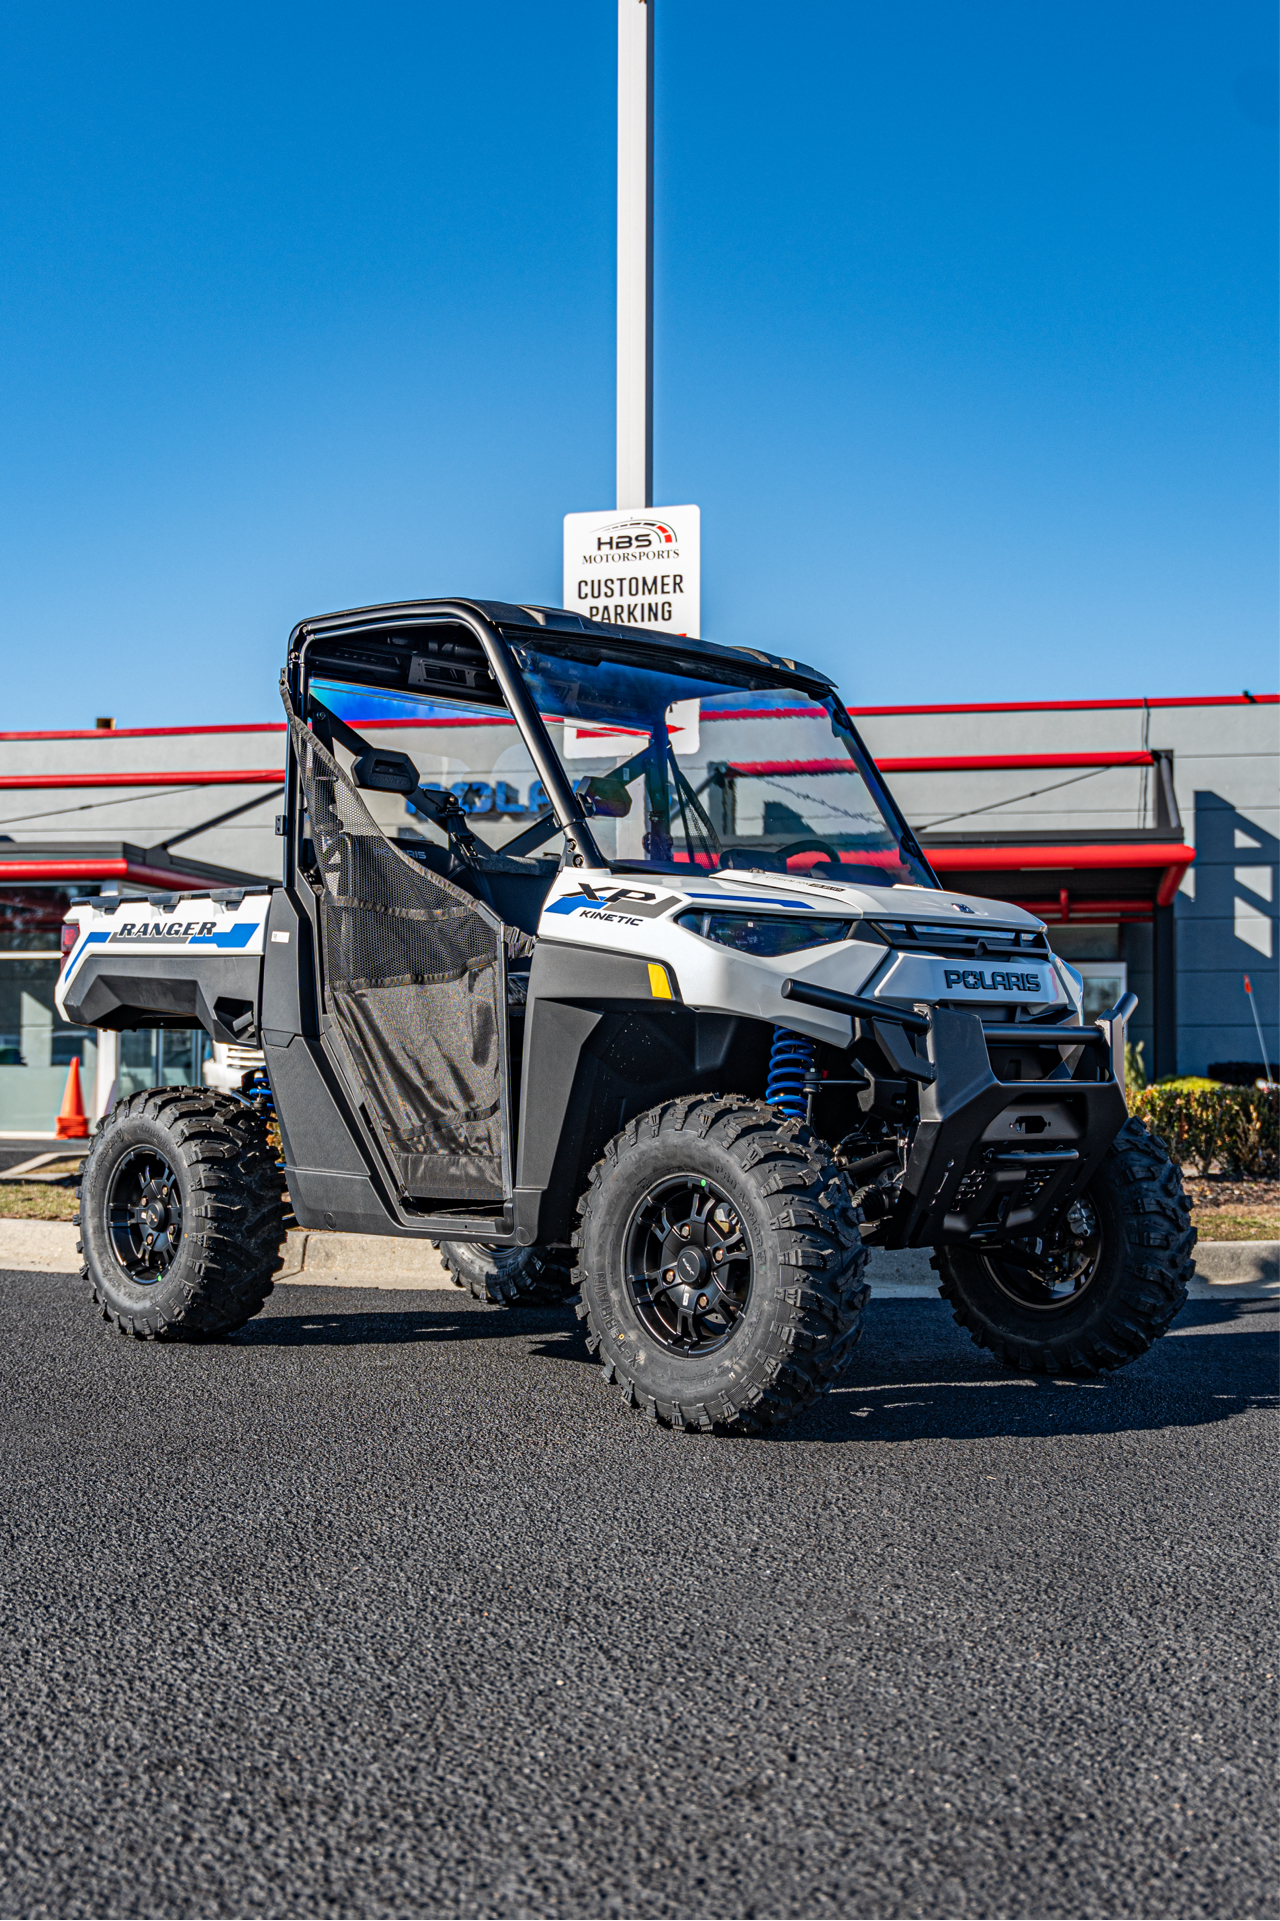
[460, 1320]
[915, 1375]
[1216, 1361]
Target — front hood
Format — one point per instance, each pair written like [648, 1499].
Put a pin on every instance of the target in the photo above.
[748, 885]
[645, 914]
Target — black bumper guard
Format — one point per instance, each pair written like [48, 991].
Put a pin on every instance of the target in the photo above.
[992, 1158]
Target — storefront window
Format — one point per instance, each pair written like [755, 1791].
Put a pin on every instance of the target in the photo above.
[36, 1046]
[161, 1057]
[31, 919]
[1104, 983]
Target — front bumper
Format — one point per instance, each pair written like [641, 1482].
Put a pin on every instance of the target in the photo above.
[993, 1158]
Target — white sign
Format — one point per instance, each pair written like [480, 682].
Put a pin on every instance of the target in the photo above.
[597, 740]
[636, 567]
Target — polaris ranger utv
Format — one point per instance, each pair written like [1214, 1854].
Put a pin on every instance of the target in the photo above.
[606, 1003]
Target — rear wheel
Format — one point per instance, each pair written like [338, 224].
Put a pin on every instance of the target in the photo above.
[720, 1264]
[181, 1214]
[1095, 1290]
[507, 1276]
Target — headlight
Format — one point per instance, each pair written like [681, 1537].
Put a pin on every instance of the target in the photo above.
[765, 934]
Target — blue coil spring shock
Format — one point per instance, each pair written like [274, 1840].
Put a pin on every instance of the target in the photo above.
[263, 1101]
[258, 1094]
[790, 1061]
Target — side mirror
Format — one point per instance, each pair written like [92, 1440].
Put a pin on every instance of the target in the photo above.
[383, 771]
[606, 796]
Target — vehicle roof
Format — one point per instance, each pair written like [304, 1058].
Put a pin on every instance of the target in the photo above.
[547, 623]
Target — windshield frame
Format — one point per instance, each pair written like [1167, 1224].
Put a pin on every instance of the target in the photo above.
[596, 648]
[384, 648]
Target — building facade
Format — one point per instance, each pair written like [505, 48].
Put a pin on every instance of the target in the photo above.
[1144, 833]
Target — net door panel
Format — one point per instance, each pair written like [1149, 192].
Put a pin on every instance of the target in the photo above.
[414, 981]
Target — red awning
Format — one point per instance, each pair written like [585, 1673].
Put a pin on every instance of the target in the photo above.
[167, 879]
[189, 777]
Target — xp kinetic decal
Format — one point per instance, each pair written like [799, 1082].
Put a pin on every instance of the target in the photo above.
[630, 905]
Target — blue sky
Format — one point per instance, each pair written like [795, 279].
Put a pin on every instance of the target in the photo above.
[965, 335]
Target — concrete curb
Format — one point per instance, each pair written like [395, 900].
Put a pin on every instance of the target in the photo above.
[1225, 1270]
[310, 1259]
[322, 1259]
[39, 1247]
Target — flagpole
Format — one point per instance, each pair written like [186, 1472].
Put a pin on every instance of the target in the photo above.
[635, 253]
[1262, 1045]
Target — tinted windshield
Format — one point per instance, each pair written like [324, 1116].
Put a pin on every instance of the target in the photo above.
[684, 770]
[458, 747]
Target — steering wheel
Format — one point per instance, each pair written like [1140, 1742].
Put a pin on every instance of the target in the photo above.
[804, 847]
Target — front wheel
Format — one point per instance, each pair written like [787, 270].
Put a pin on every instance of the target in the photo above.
[1095, 1290]
[720, 1264]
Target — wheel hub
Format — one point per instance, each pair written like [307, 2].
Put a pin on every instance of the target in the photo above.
[688, 1264]
[1053, 1270]
[144, 1215]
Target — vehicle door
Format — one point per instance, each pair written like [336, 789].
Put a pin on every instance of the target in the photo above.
[414, 991]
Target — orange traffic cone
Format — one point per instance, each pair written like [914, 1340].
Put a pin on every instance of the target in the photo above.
[73, 1124]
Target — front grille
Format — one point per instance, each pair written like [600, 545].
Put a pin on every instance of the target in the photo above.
[971, 1186]
[990, 943]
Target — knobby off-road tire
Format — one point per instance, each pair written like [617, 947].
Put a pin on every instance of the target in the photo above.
[773, 1254]
[193, 1171]
[1138, 1281]
[507, 1276]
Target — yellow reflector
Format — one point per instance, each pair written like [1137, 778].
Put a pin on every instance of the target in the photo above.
[659, 985]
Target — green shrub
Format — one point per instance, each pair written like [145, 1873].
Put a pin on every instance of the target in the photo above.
[1203, 1124]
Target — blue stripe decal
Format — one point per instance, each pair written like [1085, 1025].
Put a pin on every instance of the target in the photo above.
[79, 953]
[759, 900]
[237, 935]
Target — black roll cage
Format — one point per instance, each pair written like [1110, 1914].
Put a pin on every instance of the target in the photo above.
[567, 809]
[489, 624]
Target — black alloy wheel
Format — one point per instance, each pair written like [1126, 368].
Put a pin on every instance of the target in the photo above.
[688, 1264]
[1099, 1286]
[720, 1264]
[1051, 1273]
[182, 1217]
[144, 1215]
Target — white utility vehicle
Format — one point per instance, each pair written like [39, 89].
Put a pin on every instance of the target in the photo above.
[606, 1005]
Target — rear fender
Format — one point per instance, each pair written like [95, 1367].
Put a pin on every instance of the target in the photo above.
[190, 961]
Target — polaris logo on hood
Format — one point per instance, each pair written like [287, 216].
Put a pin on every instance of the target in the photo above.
[977, 980]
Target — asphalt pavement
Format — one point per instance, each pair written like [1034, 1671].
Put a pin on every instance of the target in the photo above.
[388, 1606]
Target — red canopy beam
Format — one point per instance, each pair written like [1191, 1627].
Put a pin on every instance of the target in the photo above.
[1083, 855]
[137, 874]
[944, 764]
[1173, 857]
[189, 777]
